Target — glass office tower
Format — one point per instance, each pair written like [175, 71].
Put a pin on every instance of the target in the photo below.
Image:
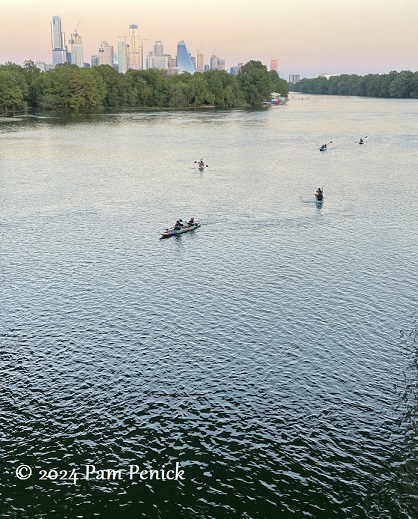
[184, 62]
[57, 40]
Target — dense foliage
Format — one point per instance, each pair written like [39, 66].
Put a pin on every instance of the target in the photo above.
[402, 84]
[257, 83]
[70, 88]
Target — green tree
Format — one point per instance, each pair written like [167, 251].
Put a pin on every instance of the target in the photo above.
[414, 86]
[13, 90]
[31, 72]
[199, 91]
[279, 85]
[402, 84]
[69, 88]
[114, 83]
[255, 83]
[224, 89]
[180, 94]
[157, 93]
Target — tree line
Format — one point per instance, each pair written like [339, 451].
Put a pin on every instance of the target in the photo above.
[402, 84]
[68, 88]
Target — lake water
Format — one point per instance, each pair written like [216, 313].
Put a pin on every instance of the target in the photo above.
[270, 354]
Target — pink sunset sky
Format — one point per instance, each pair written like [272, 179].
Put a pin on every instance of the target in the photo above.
[307, 37]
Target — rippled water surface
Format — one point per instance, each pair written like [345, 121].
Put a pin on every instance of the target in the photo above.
[270, 354]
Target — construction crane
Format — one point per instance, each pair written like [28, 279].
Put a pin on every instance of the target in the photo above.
[75, 34]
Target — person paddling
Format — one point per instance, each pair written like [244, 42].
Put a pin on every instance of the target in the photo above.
[178, 225]
[319, 194]
[191, 222]
[201, 164]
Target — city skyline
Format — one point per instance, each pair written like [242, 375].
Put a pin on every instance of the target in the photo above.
[306, 38]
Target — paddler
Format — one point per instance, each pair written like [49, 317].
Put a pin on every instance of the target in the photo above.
[178, 225]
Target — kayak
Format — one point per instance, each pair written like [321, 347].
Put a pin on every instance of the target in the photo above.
[171, 232]
[200, 168]
[322, 148]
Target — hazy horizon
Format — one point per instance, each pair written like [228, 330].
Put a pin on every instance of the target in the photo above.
[306, 38]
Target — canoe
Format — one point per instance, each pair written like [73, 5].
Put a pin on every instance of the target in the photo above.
[319, 198]
[171, 232]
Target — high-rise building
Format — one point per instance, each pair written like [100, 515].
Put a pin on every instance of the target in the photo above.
[158, 59]
[106, 54]
[217, 63]
[172, 64]
[76, 49]
[158, 48]
[294, 78]
[184, 62]
[41, 65]
[274, 65]
[160, 62]
[199, 62]
[95, 60]
[57, 41]
[236, 70]
[123, 61]
[136, 60]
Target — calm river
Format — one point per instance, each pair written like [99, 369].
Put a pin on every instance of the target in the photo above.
[263, 366]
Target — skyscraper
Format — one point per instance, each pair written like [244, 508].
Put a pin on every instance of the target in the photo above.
[184, 62]
[106, 54]
[76, 49]
[57, 41]
[158, 48]
[136, 60]
[122, 57]
[213, 62]
[158, 59]
[274, 65]
[199, 62]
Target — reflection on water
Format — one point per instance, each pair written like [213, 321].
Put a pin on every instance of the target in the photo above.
[261, 352]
